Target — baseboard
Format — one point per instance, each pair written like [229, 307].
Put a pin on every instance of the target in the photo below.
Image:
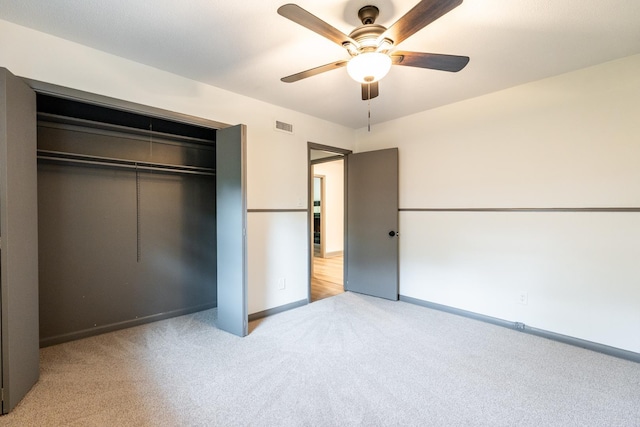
[521, 327]
[276, 310]
[72, 336]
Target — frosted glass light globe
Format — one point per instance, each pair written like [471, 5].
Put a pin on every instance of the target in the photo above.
[369, 67]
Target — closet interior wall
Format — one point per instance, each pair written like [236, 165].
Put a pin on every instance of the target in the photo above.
[126, 219]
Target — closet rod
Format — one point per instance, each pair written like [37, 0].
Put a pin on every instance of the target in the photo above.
[121, 163]
[116, 160]
[125, 166]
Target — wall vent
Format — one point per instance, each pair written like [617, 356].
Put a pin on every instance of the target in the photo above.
[284, 127]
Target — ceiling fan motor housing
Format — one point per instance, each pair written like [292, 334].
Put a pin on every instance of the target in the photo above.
[367, 36]
[368, 14]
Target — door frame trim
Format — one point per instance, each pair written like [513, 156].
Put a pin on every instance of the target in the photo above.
[344, 154]
[323, 196]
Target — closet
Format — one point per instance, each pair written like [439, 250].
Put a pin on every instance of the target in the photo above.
[112, 214]
[126, 218]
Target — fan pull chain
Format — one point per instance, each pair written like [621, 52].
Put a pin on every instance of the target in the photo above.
[369, 108]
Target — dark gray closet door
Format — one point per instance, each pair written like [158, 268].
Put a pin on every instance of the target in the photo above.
[372, 223]
[231, 215]
[19, 233]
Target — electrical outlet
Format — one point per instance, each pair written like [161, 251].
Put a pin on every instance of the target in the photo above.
[281, 283]
[523, 298]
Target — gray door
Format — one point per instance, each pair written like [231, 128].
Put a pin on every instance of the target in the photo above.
[372, 223]
[19, 244]
[231, 220]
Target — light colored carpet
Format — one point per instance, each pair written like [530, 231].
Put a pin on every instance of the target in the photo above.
[346, 360]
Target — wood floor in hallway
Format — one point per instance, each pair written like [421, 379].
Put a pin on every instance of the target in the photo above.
[327, 279]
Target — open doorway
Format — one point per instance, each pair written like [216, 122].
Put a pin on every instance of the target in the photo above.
[326, 222]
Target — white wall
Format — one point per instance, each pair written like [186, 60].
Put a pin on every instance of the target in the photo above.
[568, 141]
[277, 162]
[333, 173]
[276, 243]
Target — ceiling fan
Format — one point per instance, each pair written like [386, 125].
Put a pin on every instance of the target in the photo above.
[372, 46]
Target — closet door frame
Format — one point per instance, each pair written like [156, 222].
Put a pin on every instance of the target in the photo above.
[233, 300]
[108, 102]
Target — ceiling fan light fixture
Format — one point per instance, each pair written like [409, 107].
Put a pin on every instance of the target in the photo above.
[351, 48]
[369, 67]
[385, 46]
[369, 42]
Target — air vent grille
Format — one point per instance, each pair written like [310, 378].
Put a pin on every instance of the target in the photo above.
[284, 127]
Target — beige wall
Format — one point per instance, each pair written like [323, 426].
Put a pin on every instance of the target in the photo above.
[568, 141]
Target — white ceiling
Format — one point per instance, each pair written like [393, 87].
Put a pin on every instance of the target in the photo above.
[246, 47]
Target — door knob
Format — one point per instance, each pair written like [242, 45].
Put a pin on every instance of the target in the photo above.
[392, 233]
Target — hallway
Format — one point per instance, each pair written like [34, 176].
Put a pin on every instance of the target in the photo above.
[327, 280]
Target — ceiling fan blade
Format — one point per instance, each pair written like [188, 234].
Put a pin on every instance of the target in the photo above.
[370, 90]
[433, 61]
[300, 16]
[422, 14]
[314, 71]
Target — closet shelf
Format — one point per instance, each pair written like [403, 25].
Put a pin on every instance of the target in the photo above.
[55, 120]
[66, 157]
